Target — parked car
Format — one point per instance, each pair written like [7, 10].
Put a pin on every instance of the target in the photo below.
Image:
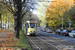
[49, 31]
[43, 29]
[58, 31]
[65, 32]
[72, 34]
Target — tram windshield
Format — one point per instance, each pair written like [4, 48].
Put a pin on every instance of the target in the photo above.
[32, 25]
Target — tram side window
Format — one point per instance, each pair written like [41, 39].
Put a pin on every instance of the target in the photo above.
[27, 25]
[32, 25]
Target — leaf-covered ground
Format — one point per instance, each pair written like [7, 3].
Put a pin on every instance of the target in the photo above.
[3, 31]
[9, 42]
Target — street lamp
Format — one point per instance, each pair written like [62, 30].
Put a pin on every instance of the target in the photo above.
[30, 17]
[62, 18]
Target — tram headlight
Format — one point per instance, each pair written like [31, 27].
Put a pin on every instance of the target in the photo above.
[34, 31]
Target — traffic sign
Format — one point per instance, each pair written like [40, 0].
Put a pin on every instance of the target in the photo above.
[69, 22]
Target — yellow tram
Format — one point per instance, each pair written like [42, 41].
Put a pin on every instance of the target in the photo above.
[30, 28]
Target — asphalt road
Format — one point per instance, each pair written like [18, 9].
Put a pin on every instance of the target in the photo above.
[50, 41]
[57, 36]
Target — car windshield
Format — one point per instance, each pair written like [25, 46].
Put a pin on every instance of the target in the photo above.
[58, 30]
[44, 28]
[64, 30]
[32, 25]
[69, 30]
[73, 31]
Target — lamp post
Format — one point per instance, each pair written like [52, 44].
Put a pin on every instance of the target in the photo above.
[62, 18]
[30, 17]
[8, 22]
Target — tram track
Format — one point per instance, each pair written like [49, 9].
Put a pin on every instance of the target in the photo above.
[61, 41]
[58, 45]
[48, 43]
[43, 42]
[35, 47]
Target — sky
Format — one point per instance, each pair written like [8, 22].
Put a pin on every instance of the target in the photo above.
[37, 5]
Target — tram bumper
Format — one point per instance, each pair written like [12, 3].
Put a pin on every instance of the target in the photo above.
[33, 33]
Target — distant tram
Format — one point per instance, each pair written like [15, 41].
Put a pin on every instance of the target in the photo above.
[30, 28]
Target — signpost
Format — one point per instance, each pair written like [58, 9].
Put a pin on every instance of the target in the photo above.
[69, 24]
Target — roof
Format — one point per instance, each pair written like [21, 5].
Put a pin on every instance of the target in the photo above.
[31, 21]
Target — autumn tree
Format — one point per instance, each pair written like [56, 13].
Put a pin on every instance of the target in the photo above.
[7, 18]
[54, 11]
[41, 10]
[70, 15]
[2, 11]
[18, 8]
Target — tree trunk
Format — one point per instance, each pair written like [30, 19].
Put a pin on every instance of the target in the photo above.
[20, 25]
[17, 16]
[1, 21]
[8, 22]
[5, 25]
[16, 32]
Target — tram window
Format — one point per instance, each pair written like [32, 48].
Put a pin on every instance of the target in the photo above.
[27, 25]
[32, 25]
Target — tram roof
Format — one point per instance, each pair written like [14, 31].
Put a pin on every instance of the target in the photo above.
[31, 21]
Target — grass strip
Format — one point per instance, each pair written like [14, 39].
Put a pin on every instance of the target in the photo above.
[23, 41]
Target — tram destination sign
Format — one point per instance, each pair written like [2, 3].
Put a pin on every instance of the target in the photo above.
[32, 21]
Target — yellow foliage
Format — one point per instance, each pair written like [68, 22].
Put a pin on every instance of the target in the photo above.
[54, 10]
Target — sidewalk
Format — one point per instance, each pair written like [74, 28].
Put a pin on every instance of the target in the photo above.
[4, 31]
[5, 40]
[2, 34]
[8, 42]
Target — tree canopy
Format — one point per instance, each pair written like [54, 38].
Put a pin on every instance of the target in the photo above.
[56, 9]
[70, 15]
[41, 10]
[18, 8]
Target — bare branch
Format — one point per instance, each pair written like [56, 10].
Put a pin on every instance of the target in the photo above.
[10, 11]
[23, 2]
[8, 6]
[24, 13]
